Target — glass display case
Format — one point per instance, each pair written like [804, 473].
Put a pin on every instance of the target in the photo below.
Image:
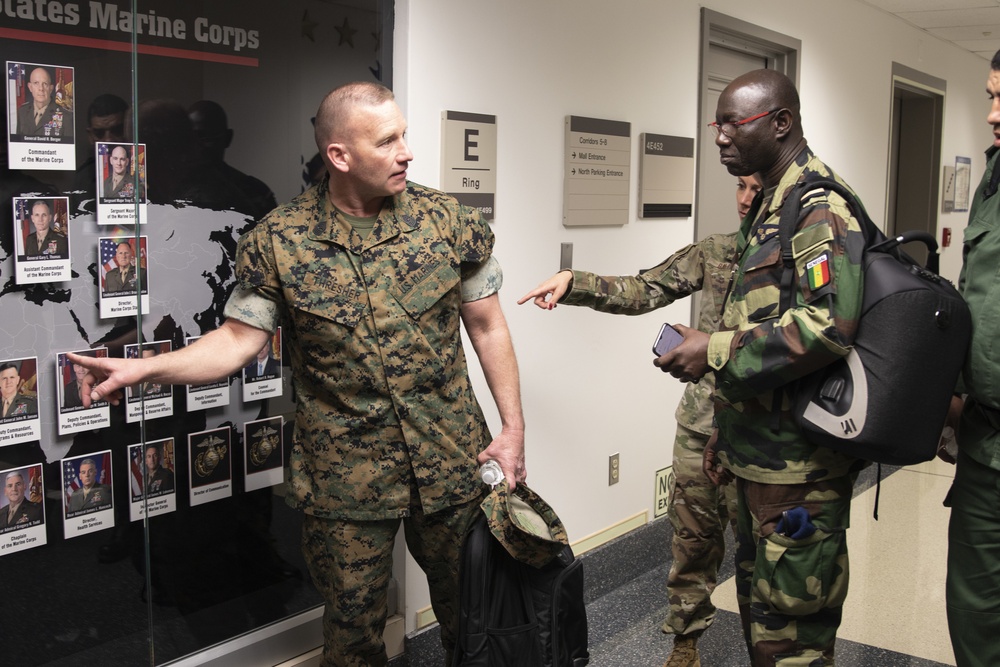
[142, 139]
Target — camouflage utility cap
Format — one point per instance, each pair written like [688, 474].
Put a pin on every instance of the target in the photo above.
[524, 524]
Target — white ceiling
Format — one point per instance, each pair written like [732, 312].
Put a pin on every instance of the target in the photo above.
[972, 25]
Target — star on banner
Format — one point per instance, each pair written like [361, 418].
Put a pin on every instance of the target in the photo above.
[346, 33]
[309, 26]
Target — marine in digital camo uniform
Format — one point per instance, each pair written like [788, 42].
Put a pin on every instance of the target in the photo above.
[387, 426]
[355, 362]
[791, 568]
[370, 341]
[370, 277]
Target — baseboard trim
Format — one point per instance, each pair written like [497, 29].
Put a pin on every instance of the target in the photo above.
[594, 540]
[425, 617]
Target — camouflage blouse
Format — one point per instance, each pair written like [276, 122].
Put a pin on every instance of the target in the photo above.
[759, 354]
[384, 401]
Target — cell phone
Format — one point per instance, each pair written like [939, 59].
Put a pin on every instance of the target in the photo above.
[668, 339]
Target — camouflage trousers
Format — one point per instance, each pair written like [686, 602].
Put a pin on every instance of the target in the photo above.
[699, 512]
[792, 569]
[351, 564]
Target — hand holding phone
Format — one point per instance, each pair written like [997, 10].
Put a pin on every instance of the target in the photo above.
[668, 339]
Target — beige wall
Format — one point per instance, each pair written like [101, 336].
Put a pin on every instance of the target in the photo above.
[588, 382]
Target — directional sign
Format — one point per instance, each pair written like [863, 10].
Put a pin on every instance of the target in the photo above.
[597, 171]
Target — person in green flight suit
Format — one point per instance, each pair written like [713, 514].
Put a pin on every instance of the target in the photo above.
[973, 578]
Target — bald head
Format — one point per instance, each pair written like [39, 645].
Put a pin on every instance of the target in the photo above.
[759, 128]
[767, 89]
[335, 109]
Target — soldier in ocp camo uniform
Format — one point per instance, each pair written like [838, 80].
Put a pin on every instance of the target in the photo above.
[794, 497]
[698, 510]
[371, 277]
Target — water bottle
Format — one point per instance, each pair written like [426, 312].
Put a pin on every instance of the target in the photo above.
[491, 473]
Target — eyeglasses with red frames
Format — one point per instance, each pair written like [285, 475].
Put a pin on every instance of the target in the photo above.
[729, 128]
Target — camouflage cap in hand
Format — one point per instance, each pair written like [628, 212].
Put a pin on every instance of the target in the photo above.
[524, 524]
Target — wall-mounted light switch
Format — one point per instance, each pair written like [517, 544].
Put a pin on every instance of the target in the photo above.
[565, 256]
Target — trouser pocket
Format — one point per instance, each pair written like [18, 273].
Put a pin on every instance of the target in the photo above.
[804, 576]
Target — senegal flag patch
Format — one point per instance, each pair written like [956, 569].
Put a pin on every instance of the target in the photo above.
[818, 271]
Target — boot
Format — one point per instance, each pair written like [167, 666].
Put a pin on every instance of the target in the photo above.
[685, 653]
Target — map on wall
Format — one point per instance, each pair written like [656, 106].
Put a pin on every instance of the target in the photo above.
[194, 269]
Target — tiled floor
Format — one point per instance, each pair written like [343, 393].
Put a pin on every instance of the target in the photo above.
[894, 615]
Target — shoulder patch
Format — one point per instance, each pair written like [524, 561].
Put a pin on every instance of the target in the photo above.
[818, 271]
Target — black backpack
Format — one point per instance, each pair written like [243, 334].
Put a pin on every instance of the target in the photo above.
[515, 615]
[887, 400]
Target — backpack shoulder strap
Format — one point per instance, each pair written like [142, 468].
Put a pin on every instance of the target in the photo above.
[788, 222]
[872, 233]
[791, 210]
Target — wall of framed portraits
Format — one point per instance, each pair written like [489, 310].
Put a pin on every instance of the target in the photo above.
[142, 139]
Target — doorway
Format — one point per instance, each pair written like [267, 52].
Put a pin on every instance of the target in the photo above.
[729, 48]
[914, 155]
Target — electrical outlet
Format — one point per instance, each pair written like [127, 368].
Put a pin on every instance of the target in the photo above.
[613, 469]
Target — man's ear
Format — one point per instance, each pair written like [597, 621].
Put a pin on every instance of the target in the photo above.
[782, 123]
[338, 156]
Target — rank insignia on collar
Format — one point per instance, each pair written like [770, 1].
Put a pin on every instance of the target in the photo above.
[818, 272]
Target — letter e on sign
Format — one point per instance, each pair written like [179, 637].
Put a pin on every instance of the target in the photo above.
[470, 144]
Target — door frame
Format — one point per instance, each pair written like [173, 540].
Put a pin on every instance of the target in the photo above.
[777, 51]
[780, 51]
[911, 84]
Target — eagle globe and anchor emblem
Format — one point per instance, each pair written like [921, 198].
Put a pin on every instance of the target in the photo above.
[207, 460]
[265, 442]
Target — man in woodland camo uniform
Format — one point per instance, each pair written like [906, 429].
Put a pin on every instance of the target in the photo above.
[698, 509]
[793, 496]
[371, 277]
